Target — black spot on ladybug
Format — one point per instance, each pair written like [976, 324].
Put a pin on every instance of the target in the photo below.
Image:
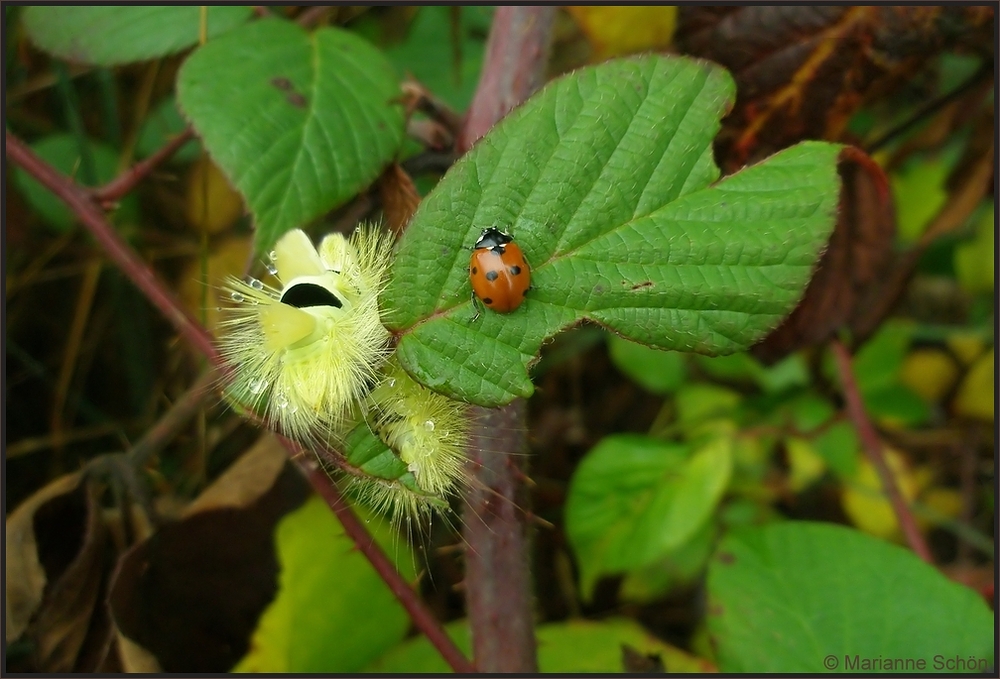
[487, 301]
[309, 294]
[475, 271]
[492, 275]
[283, 84]
[514, 270]
[296, 100]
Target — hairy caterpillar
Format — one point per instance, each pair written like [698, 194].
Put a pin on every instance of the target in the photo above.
[307, 352]
[313, 356]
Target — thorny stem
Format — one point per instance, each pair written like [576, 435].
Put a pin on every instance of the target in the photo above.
[873, 449]
[80, 201]
[498, 578]
[83, 205]
[126, 181]
[353, 527]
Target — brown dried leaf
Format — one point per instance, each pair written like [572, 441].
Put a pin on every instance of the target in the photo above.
[399, 197]
[190, 596]
[246, 480]
[855, 261]
[24, 572]
[802, 71]
[69, 615]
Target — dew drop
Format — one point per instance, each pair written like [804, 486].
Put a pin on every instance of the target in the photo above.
[392, 382]
[273, 256]
[429, 425]
[272, 269]
[256, 284]
[281, 400]
[257, 386]
[237, 296]
[293, 410]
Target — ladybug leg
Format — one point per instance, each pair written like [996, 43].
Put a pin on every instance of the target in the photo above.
[475, 305]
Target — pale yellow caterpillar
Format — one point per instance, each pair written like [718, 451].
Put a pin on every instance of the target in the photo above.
[313, 356]
[306, 353]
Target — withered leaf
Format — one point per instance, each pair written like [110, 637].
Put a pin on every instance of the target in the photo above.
[72, 608]
[25, 575]
[856, 259]
[802, 71]
[399, 197]
[190, 596]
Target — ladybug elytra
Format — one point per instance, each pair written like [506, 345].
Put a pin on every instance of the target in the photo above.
[498, 271]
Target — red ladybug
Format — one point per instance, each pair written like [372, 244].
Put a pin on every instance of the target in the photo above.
[498, 271]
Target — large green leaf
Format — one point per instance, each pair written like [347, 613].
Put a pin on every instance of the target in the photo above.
[604, 179]
[299, 122]
[633, 499]
[807, 597]
[110, 35]
[333, 613]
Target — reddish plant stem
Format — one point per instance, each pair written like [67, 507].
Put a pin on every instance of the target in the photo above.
[82, 204]
[355, 529]
[498, 586]
[873, 449]
[126, 181]
[517, 53]
[497, 571]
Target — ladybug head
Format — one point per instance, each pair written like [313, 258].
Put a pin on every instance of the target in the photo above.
[492, 238]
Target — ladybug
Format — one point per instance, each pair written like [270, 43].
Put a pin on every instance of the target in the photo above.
[498, 271]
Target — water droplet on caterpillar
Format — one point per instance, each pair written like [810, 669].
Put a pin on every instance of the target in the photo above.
[237, 296]
[257, 386]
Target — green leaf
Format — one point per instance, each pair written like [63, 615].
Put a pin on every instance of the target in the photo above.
[633, 499]
[678, 568]
[62, 151]
[795, 596]
[429, 52]
[661, 372]
[603, 178]
[700, 401]
[118, 34]
[809, 410]
[839, 446]
[298, 122]
[332, 613]
[974, 263]
[878, 363]
[570, 647]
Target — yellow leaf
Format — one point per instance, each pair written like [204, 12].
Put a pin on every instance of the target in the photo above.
[617, 30]
[975, 396]
[946, 502]
[204, 297]
[865, 502]
[930, 373]
[966, 346]
[805, 464]
[211, 204]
